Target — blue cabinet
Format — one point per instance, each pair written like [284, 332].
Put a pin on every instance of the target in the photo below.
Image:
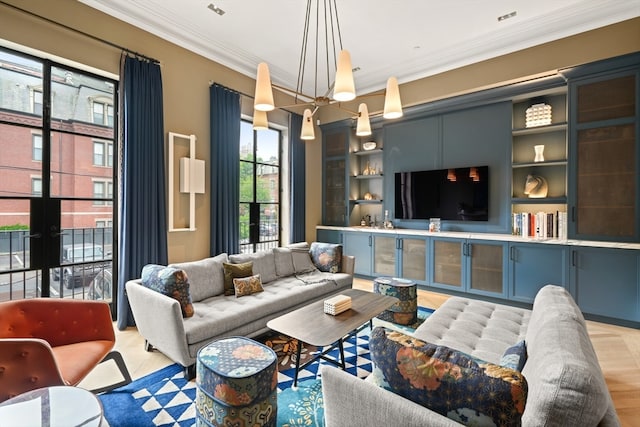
[400, 256]
[534, 265]
[359, 244]
[605, 282]
[473, 266]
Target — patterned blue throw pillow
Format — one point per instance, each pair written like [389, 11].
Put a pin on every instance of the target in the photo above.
[326, 257]
[449, 382]
[169, 281]
[515, 356]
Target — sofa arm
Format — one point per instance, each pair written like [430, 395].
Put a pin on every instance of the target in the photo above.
[348, 264]
[350, 401]
[159, 321]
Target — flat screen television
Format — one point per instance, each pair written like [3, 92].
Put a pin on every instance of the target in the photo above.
[460, 194]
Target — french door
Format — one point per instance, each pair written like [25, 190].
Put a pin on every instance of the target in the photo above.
[57, 145]
[259, 188]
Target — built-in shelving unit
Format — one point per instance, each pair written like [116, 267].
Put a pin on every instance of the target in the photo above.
[551, 171]
[366, 180]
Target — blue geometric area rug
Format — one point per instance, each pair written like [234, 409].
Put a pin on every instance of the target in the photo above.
[165, 398]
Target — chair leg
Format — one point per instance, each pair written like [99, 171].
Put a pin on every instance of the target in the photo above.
[117, 358]
[147, 346]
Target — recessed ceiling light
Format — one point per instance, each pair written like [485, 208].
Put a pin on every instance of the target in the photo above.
[507, 16]
[216, 9]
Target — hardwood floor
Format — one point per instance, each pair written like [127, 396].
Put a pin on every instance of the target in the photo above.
[618, 351]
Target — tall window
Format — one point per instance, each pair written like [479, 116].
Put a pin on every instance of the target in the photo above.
[36, 101]
[259, 188]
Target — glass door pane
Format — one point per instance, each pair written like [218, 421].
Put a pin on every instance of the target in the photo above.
[414, 259]
[447, 258]
[486, 267]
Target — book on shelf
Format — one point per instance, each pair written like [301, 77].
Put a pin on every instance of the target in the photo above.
[540, 225]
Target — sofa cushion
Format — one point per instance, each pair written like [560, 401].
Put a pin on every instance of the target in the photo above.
[448, 381]
[326, 257]
[565, 379]
[284, 262]
[206, 276]
[169, 281]
[247, 285]
[232, 271]
[264, 264]
[515, 356]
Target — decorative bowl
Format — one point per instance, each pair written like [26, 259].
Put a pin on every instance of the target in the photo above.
[368, 145]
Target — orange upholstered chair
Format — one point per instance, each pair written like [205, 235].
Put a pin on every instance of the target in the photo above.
[47, 341]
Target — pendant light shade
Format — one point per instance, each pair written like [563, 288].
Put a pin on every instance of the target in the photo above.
[344, 88]
[260, 121]
[263, 100]
[307, 132]
[392, 103]
[363, 127]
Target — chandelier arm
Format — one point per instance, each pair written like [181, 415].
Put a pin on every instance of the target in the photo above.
[335, 7]
[326, 41]
[303, 51]
[315, 89]
[339, 106]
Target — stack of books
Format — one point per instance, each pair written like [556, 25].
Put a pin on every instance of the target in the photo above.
[540, 225]
[337, 304]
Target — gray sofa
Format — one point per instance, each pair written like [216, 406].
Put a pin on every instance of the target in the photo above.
[566, 385]
[289, 282]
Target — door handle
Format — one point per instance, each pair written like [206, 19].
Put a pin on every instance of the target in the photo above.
[33, 236]
[512, 253]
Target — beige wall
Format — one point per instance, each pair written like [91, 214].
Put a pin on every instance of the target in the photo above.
[187, 76]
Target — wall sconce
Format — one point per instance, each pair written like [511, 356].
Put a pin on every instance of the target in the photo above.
[191, 176]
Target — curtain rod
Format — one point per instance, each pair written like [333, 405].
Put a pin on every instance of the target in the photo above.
[98, 39]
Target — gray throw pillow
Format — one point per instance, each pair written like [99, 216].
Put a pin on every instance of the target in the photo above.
[284, 262]
[264, 264]
[302, 262]
[206, 276]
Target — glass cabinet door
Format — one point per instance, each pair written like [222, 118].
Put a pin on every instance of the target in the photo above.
[606, 159]
[335, 178]
[414, 259]
[486, 267]
[384, 255]
[447, 263]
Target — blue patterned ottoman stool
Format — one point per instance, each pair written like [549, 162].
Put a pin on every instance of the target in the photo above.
[405, 311]
[237, 384]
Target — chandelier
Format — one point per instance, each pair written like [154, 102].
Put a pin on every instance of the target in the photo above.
[340, 86]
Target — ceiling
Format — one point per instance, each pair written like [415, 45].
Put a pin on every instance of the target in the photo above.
[409, 39]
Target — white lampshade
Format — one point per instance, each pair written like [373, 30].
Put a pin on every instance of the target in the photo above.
[363, 127]
[263, 100]
[260, 121]
[392, 103]
[344, 88]
[307, 132]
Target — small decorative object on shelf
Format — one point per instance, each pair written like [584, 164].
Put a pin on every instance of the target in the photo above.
[387, 222]
[538, 115]
[539, 150]
[536, 187]
[367, 170]
[368, 146]
[434, 225]
[337, 304]
[368, 196]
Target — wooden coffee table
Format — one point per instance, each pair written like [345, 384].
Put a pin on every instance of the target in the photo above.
[311, 325]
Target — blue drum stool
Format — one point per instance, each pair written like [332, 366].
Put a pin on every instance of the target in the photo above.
[405, 311]
[237, 384]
